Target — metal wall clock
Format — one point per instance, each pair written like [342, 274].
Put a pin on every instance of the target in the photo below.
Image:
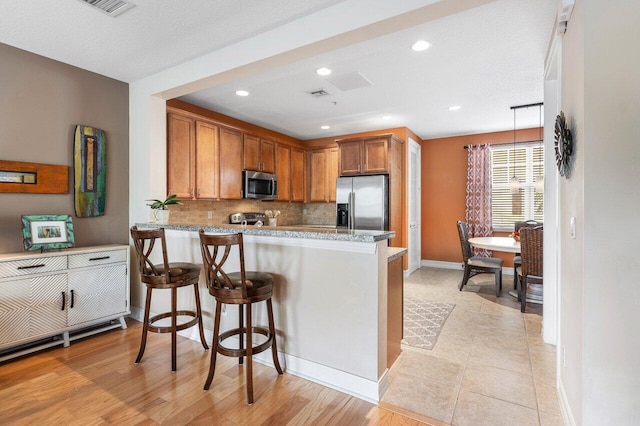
[563, 145]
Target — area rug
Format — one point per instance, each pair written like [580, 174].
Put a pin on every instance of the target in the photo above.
[423, 321]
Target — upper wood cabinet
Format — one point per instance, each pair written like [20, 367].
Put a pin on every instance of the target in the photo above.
[230, 164]
[297, 174]
[259, 154]
[207, 160]
[192, 158]
[323, 173]
[364, 156]
[333, 172]
[180, 156]
[283, 172]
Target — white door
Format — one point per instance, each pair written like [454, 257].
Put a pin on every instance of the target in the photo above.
[414, 246]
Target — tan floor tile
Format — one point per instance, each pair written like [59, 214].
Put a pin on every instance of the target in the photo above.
[513, 360]
[431, 399]
[544, 371]
[452, 349]
[499, 350]
[478, 410]
[547, 419]
[426, 366]
[501, 384]
[547, 399]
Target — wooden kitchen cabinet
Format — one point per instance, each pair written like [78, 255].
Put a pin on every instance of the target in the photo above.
[283, 172]
[323, 173]
[364, 156]
[180, 156]
[230, 164]
[192, 158]
[297, 174]
[258, 154]
[207, 160]
[333, 173]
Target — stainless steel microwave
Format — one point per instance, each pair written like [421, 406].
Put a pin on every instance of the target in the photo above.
[259, 186]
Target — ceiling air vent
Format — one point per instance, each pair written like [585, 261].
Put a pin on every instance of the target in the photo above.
[319, 93]
[110, 7]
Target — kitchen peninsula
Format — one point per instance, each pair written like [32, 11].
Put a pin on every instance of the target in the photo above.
[330, 299]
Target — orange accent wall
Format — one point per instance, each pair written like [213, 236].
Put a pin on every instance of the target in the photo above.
[444, 183]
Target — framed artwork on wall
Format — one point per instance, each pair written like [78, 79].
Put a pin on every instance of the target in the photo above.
[47, 232]
[89, 171]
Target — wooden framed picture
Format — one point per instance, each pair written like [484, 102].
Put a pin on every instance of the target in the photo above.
[47, 232]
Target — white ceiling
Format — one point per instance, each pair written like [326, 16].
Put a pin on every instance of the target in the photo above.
[485, 59]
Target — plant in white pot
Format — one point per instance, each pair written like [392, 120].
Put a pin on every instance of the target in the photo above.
[160, 209]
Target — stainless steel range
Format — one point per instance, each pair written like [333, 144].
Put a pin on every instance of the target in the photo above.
[250, 218]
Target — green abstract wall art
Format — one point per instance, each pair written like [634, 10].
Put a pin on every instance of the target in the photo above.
[90, 171]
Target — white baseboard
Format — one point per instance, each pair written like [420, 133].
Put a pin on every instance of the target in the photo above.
[457, 266]
[565, 408]
[441, 264]
[365, 389]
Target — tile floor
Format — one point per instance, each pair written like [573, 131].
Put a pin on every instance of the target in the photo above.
[489, 365]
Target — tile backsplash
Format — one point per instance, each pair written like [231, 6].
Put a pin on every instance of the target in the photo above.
[290, 213]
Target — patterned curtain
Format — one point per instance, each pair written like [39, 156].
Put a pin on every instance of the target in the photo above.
[478, 214]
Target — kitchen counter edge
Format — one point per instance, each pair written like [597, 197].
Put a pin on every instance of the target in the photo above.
[280, 231]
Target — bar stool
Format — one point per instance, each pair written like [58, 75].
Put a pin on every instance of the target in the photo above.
[237, 288]
[165, 276]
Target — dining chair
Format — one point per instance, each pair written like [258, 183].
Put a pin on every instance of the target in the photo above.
[474, 265]
[530, 270]
[516, 259]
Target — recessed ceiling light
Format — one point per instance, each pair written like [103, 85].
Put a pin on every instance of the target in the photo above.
[242, 93]
[325, 127]
[454, 107]
[386, 117]
[323, 71]
[420, 45]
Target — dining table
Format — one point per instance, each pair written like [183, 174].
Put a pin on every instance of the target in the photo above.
[508, 245]
[504, 244]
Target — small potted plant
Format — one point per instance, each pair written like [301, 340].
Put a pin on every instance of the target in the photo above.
[160, 209]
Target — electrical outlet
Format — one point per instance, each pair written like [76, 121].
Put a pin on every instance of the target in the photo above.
[210, 214]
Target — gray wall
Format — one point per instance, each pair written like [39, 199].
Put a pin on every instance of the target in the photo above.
[41, 102]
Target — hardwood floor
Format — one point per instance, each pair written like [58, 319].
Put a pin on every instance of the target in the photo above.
[94, 381]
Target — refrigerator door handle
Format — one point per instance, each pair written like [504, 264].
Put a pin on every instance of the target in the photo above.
[352, 213]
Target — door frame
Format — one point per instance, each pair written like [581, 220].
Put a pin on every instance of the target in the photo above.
[414, 146]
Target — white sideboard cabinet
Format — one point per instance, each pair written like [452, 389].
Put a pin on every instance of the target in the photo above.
[52, 298]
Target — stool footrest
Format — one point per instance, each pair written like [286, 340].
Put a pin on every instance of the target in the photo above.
[243, 352]
[167, 328]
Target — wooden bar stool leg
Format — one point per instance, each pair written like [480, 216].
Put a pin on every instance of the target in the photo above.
[214, 345]
[241, 326]
[174, 319]
[272, 330]
[249, 371]
[199, 313]
[143, 343]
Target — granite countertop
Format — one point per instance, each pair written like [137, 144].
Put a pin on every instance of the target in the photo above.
[297, 231]
[395, 252]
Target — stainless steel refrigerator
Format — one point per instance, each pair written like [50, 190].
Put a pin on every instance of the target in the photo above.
[362, 202]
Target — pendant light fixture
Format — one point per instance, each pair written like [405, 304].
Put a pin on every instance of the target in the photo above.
[539, 180]
[514, 183]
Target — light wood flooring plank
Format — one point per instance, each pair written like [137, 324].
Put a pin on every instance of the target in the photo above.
[94, 382]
